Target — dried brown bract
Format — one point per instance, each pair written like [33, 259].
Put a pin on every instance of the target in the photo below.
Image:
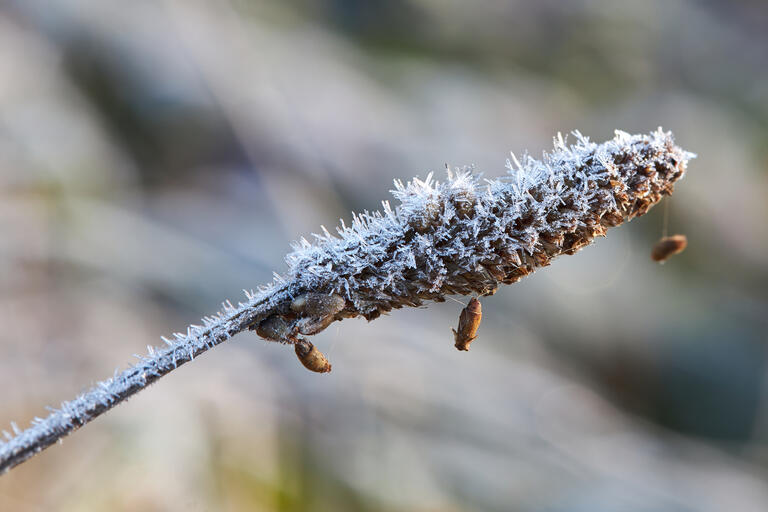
[317, 311]
[668, 246]
[275, 328]
[313, 325]
[311, 357]
[469, 322]
[318, 304]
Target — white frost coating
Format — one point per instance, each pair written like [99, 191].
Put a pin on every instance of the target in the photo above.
[157, 362]
[361, 264]
[436, 242]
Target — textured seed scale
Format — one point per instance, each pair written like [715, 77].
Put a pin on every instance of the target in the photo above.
[467, 236]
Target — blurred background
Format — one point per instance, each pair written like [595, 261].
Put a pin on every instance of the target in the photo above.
[158, 156]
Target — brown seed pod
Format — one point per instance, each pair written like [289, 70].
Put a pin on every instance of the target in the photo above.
[311, 357]
[312, 325]
[469, 322]
[668, 246]
[318, 305]
[317, 310]
[275, 328]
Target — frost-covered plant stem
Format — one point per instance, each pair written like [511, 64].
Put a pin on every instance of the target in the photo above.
[458, 237]
[158, 362]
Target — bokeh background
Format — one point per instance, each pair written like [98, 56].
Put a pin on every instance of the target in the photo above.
[158, 156]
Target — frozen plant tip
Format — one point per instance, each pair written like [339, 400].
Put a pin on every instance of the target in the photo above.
[462, 236]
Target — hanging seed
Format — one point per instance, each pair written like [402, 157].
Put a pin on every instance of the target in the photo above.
[668, 246]
[469, 322]
[311, 357]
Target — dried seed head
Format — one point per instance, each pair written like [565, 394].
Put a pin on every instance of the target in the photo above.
[311, 357]
[276, 328]
[319, 305]
[668, 246]
[469, 322]
[442, 237]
